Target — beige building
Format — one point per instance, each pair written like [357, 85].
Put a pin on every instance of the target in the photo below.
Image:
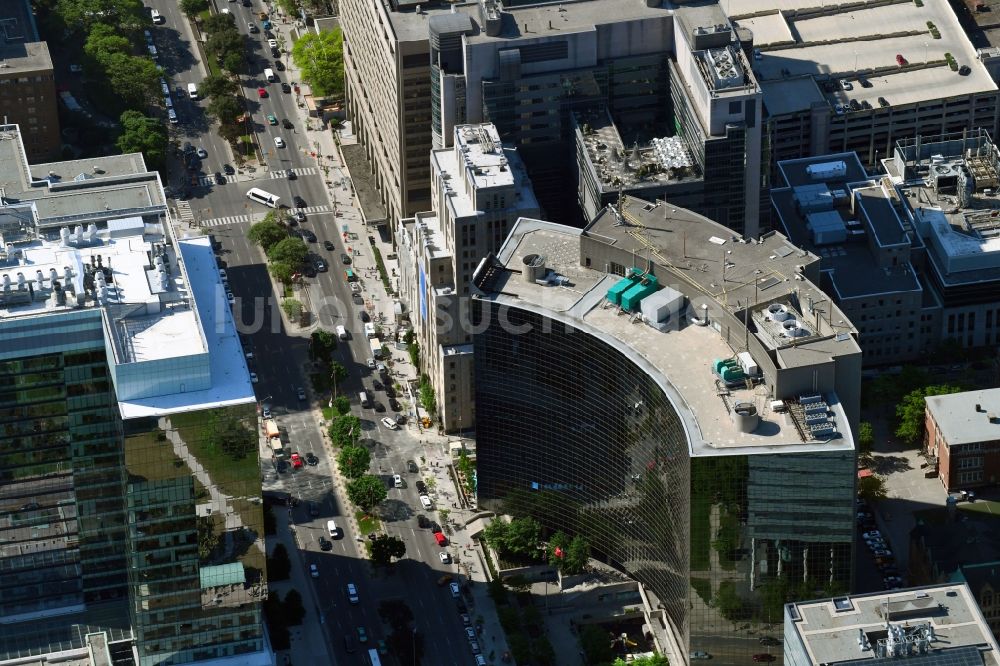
[388, 91]
[479, 190]
[27, 83]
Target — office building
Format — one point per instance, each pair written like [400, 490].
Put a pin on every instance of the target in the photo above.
[530, 69]
[961, 436]
[27, 82]
[910, 255]
[683, 400]
[983, 580]
[893, 61]
[130, 516]
[935, 625]
[480, 189]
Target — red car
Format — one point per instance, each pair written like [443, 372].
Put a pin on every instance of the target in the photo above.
[261, 92]
[296, 461]
[763, 656]
[900, 60]
[440, 538]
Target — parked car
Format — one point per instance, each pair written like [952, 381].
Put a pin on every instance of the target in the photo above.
[329, 245]
[455, 592]
[421, 487]
[389, 423]
[325, 544]
[422, 521]
[285, 88]
[313, 571]
[279, 142]
[308, 235]
[312, 461]
[445, 558]
[411, 466]
[425, 502]
[698, 654]
[764, 657]
[296, 461]
[286, 123]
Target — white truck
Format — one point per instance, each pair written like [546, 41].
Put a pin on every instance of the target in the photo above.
[376, 347]
[341, 332]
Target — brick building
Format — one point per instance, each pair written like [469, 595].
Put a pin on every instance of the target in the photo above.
[963, 434]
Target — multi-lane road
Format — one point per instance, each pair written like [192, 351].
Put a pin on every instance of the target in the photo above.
[281, 359]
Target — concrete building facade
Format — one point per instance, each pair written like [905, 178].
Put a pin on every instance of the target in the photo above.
[27, 82]
[480, 189]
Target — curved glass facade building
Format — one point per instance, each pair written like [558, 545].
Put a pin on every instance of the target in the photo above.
[599, 423]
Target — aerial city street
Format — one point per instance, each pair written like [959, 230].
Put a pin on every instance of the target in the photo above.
[475, 332]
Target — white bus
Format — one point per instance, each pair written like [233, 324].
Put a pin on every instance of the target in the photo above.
[260, 196]
[373, 658]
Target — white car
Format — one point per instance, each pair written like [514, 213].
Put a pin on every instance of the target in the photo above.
[352, 593]
[156, 16]
[700, 655]
[231, 298]
[455, 592]
[273, 43]
[371, 363]
[313, 571]
[444, 557]
[172, 116]
[253, 377]
[279, 142]
[222, 274]
[169, 103]
[425, 502]
[389, 423]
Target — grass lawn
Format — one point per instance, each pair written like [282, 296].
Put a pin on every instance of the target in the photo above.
[329, 413]
[367, 523]
[988, 507]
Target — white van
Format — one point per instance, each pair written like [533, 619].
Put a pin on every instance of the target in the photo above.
[364, 399]
[192, 91]
[156, 16]
[331, 527]
[269, 75]
[341, 332]
[261, 196]
[370, 330]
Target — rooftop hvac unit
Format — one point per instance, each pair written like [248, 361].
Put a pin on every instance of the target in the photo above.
[809, 399]
[778, 312]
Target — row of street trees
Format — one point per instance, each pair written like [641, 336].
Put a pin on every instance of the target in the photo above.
[320, 58]
[285, 254]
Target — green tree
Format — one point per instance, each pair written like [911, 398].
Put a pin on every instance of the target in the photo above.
[292, 308]
[558, 542]
[234, 62]
[219, 23]
[386, 547]
[208, 540]
[468, 470]
[596, 644]
[345, 430]
[266, 234]
[353, 461]
[728, 602]
[282, 271]
[217, 85]
[427, 399]
[227, 110]
[192, 8]
[342, 405]
[366, 492]
[141, 134]
[866, 439]
[292, 251]
[321, 345]
[910, 411]
[496, 534]
[338, 371]
[872, 488]
[135, 80]
[520, 647]
[577, 556]
[220, 44]
[103, 42]
[129, 15]
[278, 565]
[523, 535]
[320, 57]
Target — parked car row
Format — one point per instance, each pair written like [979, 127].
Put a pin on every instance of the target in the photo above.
[877, 544]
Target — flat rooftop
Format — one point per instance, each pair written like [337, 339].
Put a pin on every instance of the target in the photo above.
[842, 41]
[681, 357]
[483, 155]
[829, 628]
[656, 162]
[78, 191]
[430, 233]
[967, 417]
[20, 48]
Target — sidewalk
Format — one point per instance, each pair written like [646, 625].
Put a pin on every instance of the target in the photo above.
[308, 644]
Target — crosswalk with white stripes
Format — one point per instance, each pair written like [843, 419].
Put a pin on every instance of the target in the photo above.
[240, 219]
[299, 171]
[184, 211]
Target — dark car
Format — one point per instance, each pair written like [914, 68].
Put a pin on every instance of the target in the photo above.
[308, 235]
[325, 544]
[309, 270]
[299, 216]
[855, 105]
[435, 527]
[395, 406]
[219, 178]
[411, 466]
[865, 83]
[358, 299]
[882, 101]
[763, 656]
[768, 640]
[285, 88]
[329, 245]
[344, 258]
[281, 466]
[290, 174]
[246, 3]
[349, 643]
[278, 65]
[275, 53]
[312, 460]
[286, 123]
[422, 520]
[320, 265]
[313, 509]
[964, 70]
[228, 169]
[400, 419]
[299, 201]
[421, 487]
[363, 316]
[378, 407]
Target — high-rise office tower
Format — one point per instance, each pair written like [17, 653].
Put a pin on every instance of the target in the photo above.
[130, 501]
[684, 401]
